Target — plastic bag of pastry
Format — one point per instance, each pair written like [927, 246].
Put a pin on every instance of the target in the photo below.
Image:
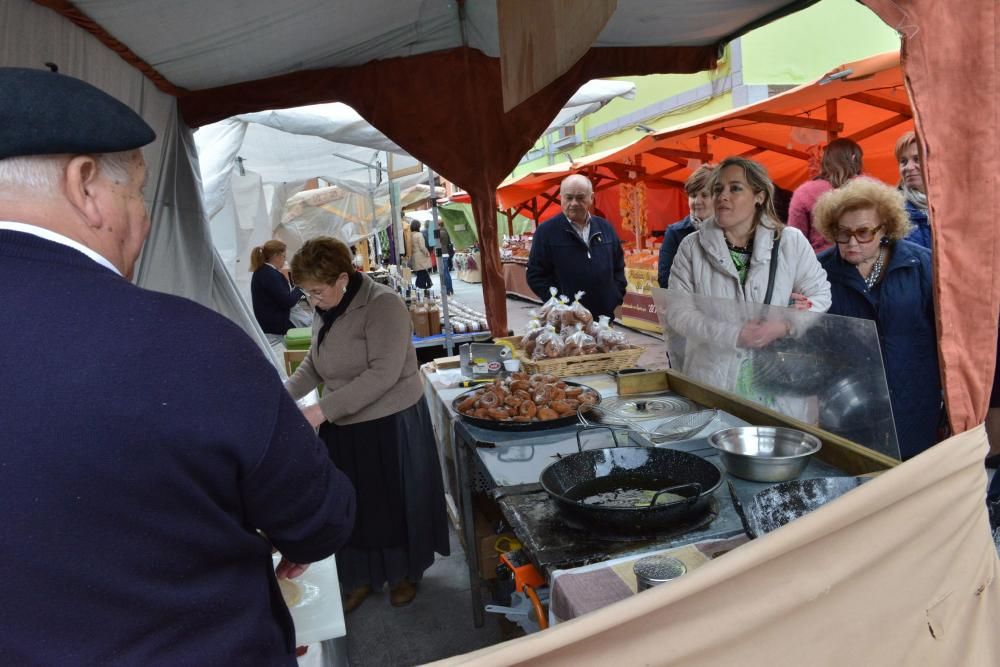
[530, 335]
[580, 312]
[609, 340]
[578, 342]
[543, 312]
[548, 345]
[555, 316]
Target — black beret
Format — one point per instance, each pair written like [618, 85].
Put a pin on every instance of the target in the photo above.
[46, 113]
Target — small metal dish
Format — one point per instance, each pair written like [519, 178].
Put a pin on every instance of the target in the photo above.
[764, 453]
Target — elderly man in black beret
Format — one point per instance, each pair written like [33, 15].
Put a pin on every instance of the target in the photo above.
[138, 470]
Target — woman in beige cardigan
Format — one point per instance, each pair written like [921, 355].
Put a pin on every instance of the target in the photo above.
[420, 257]
[374, 420]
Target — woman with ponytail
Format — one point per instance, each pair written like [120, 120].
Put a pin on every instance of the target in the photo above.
[272, 295]
[842, 161]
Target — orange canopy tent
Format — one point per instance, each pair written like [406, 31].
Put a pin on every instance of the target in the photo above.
[865, 101]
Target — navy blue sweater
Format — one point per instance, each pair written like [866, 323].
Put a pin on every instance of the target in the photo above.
[672, 238]
[145, 439]
[902, 307]
[559, 258]
[273, 299]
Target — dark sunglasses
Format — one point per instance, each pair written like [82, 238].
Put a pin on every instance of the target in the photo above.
[863, 235]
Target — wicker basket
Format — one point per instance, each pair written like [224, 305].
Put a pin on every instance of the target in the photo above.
[587, 364]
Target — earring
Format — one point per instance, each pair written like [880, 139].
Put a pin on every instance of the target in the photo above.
[345, 290]
[884, 241]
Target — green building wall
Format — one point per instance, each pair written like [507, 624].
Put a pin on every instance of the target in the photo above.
[791, 51]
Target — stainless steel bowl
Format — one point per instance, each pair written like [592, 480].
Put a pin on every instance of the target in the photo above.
[764, 453]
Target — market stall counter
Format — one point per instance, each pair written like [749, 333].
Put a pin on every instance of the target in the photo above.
[504, 467]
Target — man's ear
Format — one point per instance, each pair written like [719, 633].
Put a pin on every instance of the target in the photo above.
[81, 188]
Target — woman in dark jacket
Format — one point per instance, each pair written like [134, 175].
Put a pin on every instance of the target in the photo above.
[273, 297]
[876, 275]
[911, 184]
[700, 206]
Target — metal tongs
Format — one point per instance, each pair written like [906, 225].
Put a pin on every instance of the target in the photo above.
[673, 429]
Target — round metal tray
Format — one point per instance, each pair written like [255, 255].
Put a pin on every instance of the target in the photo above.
[494, 425]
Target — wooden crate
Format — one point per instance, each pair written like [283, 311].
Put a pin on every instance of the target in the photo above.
[587, 364]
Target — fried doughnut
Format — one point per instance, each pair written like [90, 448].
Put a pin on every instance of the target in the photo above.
[547, 414]
[536, 378]
[522, 394]
[513, 401]
[588, 397]
[572, 403]
[468, 403]
[519, 376]
[500, 414]
[527, 409]
[557, 394]
[543, 394]
[562, 407]
[489, 400]
[482, 413]
[520, 385]
[573, 392]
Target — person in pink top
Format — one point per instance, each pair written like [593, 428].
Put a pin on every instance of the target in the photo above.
[842, 161]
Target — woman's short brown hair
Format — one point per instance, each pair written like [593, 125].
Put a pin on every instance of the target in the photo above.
[700, 179]
[904, 142]
[860, 194]
[322, 260]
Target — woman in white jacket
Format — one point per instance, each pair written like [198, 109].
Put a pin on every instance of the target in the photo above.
[730, 258]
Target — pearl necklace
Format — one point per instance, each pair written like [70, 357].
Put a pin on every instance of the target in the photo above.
[876, 273]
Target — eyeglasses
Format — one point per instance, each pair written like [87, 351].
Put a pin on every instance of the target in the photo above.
[316, 293]
[861, 235]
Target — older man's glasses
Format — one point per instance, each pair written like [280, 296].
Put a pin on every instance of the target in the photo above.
[861, 235]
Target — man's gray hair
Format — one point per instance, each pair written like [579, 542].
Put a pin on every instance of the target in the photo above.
[44, 173]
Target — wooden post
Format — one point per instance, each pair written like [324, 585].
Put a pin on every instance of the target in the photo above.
[831, 118]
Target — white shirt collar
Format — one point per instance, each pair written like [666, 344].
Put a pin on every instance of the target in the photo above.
[56, 237]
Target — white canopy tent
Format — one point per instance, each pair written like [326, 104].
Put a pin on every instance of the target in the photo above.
[252, 164]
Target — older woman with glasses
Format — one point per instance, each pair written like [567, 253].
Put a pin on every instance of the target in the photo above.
[877, 275]
[373, 418]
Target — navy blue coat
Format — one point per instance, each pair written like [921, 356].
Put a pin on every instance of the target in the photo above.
[921, 234]
[134, 474]
[672, 238]
[559, 258]
[273, 299]
[902, 307]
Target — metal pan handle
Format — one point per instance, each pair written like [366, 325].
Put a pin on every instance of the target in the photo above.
[739, 510]
[695, 486]
[585, 429]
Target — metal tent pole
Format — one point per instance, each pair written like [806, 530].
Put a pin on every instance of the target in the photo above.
[442, 265]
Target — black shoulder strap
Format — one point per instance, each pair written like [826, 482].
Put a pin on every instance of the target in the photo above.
[771, 270]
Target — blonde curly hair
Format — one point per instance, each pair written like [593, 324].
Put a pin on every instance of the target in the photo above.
[859, 194]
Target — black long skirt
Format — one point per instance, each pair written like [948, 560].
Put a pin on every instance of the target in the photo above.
[401, 518]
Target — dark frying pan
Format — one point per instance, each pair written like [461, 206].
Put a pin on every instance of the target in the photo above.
[495, 425]
[631, 490]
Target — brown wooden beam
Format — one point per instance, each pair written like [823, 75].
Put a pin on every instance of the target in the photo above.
[760, 143]
[792, 121]
[901, 108]
[831, 115]
[677, 155]
[878, 127]
[668, 170]
[621, 170]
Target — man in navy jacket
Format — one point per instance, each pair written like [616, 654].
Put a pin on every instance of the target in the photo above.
[576, 251]
[137, 466]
